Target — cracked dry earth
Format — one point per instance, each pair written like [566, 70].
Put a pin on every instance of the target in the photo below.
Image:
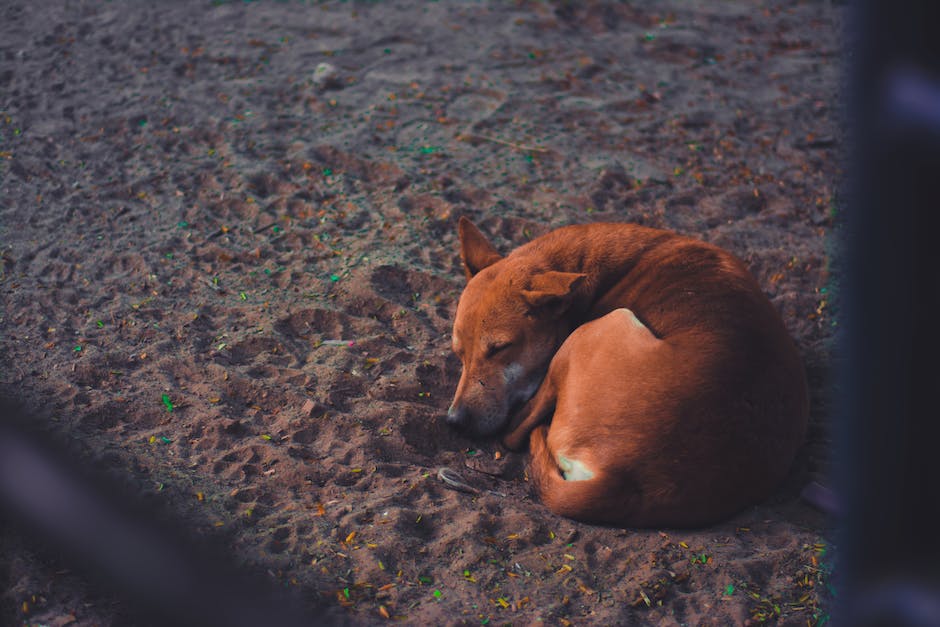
[229, 271]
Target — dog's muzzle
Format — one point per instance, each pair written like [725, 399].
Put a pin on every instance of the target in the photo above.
[457, 416]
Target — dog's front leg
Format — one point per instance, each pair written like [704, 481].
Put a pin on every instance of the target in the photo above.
[532, 414]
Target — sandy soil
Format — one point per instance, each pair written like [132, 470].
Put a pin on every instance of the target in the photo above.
[229, 270]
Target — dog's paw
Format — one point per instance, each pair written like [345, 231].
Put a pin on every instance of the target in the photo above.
[516, 440]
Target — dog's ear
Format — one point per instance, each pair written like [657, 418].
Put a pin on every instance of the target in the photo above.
[552, 289]
[475, 250]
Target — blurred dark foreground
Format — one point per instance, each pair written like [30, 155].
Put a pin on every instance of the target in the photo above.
[165, 576]
[888, 418]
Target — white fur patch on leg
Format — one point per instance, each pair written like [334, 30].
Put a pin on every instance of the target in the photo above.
[573, 470]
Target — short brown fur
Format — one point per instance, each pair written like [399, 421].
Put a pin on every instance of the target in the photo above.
[684, 415]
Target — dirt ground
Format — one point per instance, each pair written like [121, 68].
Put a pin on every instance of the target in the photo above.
[230, 268]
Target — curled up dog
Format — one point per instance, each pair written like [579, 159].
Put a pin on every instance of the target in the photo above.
[652, 380]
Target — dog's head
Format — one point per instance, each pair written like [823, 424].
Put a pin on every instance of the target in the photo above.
[510, 321]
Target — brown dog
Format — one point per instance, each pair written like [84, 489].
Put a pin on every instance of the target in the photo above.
[655, 383]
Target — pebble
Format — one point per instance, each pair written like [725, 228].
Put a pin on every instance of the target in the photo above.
[326, 76]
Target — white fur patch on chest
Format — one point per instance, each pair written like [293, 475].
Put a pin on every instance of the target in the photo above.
[573, 470]
[516, 387]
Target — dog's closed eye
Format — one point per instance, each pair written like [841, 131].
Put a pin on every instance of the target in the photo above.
[496, 347]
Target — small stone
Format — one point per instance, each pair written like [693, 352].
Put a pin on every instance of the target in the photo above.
[326, 76]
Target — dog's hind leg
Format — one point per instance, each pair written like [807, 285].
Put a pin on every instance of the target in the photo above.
[533, 413]
[591, 499]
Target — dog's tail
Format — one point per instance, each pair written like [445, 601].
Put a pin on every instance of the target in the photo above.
[592, 500]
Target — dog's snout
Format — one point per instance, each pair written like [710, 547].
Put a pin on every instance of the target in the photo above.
[457, 416]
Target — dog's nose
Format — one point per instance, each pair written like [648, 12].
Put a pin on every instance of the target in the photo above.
[456, 416]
